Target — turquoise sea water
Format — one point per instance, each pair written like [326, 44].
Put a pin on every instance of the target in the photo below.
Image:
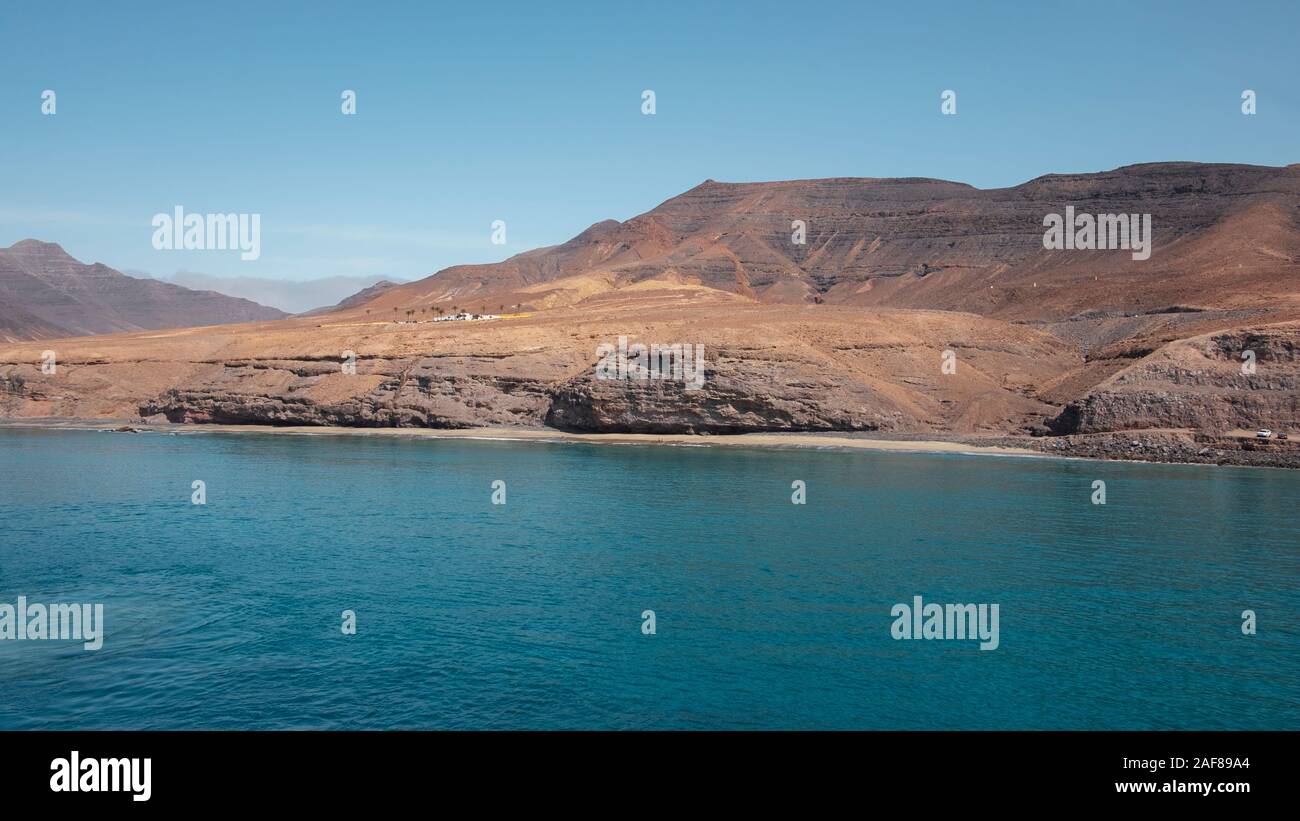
[528, 614]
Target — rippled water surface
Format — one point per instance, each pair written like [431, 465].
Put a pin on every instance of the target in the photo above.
[528, 614]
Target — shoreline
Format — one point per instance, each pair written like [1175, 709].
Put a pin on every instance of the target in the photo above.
[1142, 447]
[773, 440]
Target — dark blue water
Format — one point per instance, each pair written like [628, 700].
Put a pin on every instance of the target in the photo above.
[528, 614]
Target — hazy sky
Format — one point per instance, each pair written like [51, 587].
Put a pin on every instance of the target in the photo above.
[531, 113]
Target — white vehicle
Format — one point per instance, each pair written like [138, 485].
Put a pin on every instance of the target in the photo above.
[1263, 433]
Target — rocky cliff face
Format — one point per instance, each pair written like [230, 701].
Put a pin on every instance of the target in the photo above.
[426, 393]
[765, 369]
[737, 397]
[1217, 383]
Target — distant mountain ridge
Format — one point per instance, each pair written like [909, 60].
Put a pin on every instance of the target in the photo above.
[289, 295]
[45, 293]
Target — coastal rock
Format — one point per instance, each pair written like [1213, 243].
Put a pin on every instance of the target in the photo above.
[1180, 447]
[736, 397]
[1207, 383]
[766, 369]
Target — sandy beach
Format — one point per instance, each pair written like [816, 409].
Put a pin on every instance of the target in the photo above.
[749, 440]
[1169, 446]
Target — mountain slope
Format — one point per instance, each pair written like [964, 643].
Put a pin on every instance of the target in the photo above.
[18, 323]
[46, 293]
[357, 299]
[1225, 236]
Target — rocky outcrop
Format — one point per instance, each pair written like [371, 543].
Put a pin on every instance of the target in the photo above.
[426, 393]
[1239, 380]
[1177, 447]
[582, 404]
[736, 397]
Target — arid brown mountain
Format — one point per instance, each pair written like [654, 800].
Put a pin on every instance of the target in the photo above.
[46, 294]
[1225, 236]
[1079, 352]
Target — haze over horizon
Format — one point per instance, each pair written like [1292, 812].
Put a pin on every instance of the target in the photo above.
[549, 135]
[292, 296]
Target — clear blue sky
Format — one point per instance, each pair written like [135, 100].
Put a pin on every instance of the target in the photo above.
[531, 113]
